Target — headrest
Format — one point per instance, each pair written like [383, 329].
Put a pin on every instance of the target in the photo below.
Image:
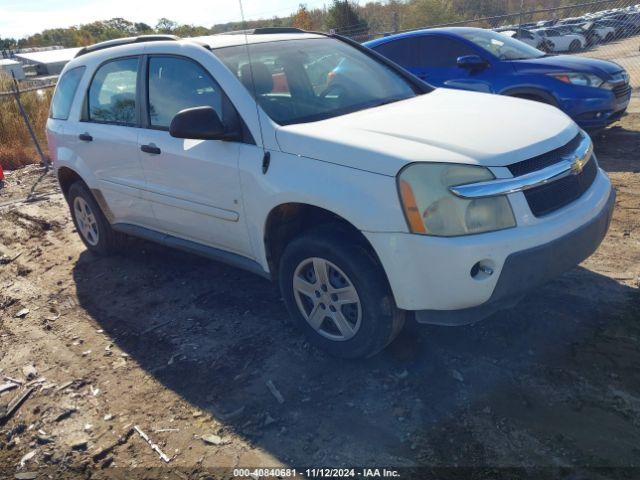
[262, 78]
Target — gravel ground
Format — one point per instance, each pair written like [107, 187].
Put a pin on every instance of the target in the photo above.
[184, 348]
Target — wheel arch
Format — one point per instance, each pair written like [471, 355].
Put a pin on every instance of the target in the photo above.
[287, 221]
[67, 177]
[532, 93]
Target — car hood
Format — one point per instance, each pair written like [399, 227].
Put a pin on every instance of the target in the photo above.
[445, 125]
[572, 63]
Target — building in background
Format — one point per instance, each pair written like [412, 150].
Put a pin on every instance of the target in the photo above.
[9, 66]
[50, 62]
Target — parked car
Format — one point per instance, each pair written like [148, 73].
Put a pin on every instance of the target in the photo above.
[628, 24]
[562, 42]
[618, 29]
[606, 33]
[530, 38]
[591, 35]
[368, 197]
[593, 92]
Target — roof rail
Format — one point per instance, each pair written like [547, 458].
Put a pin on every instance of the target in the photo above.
[264, 31]
[125, 41]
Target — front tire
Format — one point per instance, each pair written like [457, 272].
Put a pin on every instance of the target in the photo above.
[574, 46]
[92, 226]
[337, 294]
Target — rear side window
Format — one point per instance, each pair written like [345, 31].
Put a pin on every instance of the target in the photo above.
[427, 51]
[442, 52]
[404, 52]
[112, 95]
[176, 84]
[65, 91]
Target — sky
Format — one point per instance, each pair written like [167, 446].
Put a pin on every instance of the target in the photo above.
[19, 18]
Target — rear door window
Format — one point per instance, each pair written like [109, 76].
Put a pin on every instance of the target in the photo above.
[403, 51]
[65, 92]
[442, 52]
[113, 91]
[428, 51]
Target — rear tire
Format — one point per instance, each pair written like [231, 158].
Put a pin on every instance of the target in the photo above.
[92, 226]
[575, 46]
[337, 293]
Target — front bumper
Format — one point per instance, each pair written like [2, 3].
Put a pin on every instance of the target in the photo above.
[527, 269]
[432, 276]
[596, 112]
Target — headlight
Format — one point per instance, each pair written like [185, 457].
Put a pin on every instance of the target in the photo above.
[431, 209]
[582, 79]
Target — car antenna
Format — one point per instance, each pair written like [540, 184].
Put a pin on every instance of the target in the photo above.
[266, 157]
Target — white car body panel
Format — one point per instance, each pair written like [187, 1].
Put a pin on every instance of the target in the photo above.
[562, 43]
[603, 32]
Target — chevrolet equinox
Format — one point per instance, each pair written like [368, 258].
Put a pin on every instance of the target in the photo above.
[369, 196]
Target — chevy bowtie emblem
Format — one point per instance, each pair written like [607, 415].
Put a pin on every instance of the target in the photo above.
[577, 166]
[579, 162]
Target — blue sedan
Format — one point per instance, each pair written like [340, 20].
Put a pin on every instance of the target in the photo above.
[595, 93]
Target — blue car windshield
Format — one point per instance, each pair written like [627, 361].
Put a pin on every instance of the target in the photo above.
[501, 46]
[306, 80]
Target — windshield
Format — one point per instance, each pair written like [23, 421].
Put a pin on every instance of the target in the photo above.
[306, 80]
[503, 47]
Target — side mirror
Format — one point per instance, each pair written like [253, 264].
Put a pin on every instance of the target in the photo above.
[472, 62]
[199, 123]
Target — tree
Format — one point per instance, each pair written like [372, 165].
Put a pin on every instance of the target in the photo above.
[190, 31]
[343, 17]
[8, 43]
[143, 28]
[425, 13]
[165, 25]
[302, 18]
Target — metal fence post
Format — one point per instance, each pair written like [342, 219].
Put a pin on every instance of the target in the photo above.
[27, 122]
[521, 13]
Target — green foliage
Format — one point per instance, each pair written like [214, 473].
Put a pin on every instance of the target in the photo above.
[166, 26]
[342, 16]
[429, 12]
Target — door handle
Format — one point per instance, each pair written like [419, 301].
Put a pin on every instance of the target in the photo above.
[85, 137]
[151, 149]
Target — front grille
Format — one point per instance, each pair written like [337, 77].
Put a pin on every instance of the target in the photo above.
[622, 90]
[555, 195]
[544, 160]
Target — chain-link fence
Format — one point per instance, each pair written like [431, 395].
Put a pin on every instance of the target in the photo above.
[24, 109]
[604, 29]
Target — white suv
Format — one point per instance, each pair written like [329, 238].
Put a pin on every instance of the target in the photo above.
[366, 194]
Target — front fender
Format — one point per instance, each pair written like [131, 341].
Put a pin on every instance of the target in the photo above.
[369, 201]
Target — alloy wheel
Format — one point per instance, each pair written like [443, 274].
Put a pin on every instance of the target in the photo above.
[327, 299]
[86, 220]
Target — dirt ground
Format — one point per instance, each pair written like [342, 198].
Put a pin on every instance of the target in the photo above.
[183, 348]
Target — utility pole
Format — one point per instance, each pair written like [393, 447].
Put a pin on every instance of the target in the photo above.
[521, 13]
[27, 122]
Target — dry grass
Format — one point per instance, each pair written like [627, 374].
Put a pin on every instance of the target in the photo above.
[16, 146]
